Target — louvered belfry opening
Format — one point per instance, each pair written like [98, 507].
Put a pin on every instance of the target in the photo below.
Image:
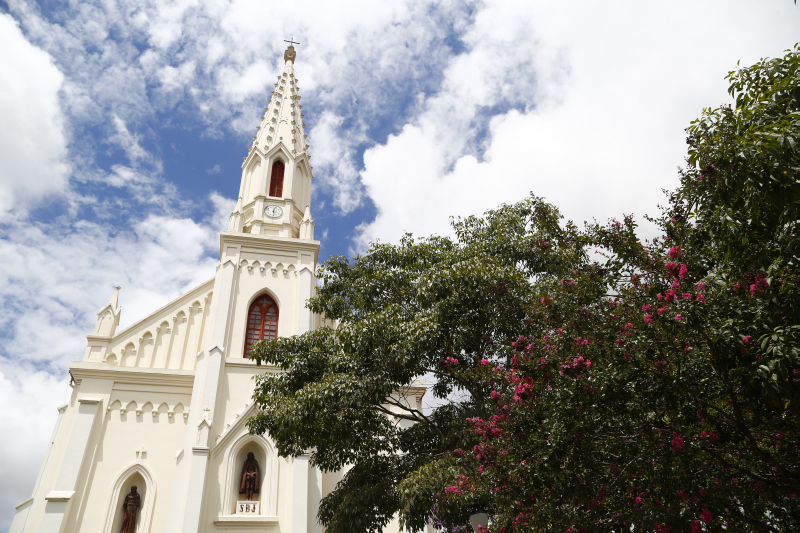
[276, 179]
[262, 322]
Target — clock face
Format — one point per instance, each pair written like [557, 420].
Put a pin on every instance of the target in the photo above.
[273, 211]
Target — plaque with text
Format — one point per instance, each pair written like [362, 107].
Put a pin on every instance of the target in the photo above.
[247, 508]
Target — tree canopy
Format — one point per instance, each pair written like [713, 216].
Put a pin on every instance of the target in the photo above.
[652, 383]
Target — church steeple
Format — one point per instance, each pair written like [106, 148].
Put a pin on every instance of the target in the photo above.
[276, 174]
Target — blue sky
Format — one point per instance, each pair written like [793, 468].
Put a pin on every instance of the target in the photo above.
[125, 124]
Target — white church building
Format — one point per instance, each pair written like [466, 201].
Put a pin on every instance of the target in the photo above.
[162, 405]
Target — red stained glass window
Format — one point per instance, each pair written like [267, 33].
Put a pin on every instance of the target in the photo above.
[276, 180]
[262, 322]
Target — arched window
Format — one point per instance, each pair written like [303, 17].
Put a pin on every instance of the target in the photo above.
[276, 179]
[262, 322]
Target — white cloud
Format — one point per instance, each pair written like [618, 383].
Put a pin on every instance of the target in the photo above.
[613, 90]
[32, 140]
[128, 141]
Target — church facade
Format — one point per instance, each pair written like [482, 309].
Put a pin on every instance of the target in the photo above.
[162, 405]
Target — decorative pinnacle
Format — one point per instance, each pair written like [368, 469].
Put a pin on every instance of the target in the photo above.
[290, 54]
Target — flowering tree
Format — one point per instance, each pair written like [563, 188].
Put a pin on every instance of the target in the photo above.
[652, 388]
[671, 404]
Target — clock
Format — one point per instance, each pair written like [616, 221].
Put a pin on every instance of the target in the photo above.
[273, 211]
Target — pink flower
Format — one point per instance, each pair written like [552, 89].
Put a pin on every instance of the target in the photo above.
[684, 272]
[736, 287]
[701, 285]
[619, 342]
[661, 310]
[701, 298]
[706, 516]
[585, 342]
[679, 317]
[648, 318]
[747, 338]
[660, 296]
[638, 499]
[677, 443]
[696, 527]
[484, 362]
[675, 252]
[670, 265]
[687, 295]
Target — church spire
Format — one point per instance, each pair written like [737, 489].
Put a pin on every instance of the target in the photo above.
[275, 191]
[283, 121]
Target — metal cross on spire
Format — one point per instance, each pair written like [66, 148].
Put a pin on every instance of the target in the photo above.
[290, 41]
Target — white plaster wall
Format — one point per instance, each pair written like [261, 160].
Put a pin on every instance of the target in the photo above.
[120, 446]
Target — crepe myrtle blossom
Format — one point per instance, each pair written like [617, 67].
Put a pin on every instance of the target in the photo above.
[675, 252]
[759, 284]
[678, 443]
[706, 516]
[578, 365]
[746, 339]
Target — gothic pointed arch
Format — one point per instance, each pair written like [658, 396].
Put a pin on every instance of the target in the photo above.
[276, 179]
[266, 456]
[137, 474]
[262, 322]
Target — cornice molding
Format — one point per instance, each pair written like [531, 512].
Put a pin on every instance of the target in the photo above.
[155, 376]
[268, 242]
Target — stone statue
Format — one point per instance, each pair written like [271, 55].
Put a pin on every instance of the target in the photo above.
[251, 477]
[130, 505]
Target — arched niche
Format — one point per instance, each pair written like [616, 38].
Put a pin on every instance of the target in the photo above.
[140, 476]
[268, 491]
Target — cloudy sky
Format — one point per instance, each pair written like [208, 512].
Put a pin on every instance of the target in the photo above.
[124, 124]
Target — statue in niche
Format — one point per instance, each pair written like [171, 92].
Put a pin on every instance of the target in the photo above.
[251, 477]
[130, 505]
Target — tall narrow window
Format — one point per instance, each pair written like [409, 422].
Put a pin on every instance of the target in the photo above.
[276, 180]
[262, 322]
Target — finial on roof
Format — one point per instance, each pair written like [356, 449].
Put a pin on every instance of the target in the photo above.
[290, 54]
